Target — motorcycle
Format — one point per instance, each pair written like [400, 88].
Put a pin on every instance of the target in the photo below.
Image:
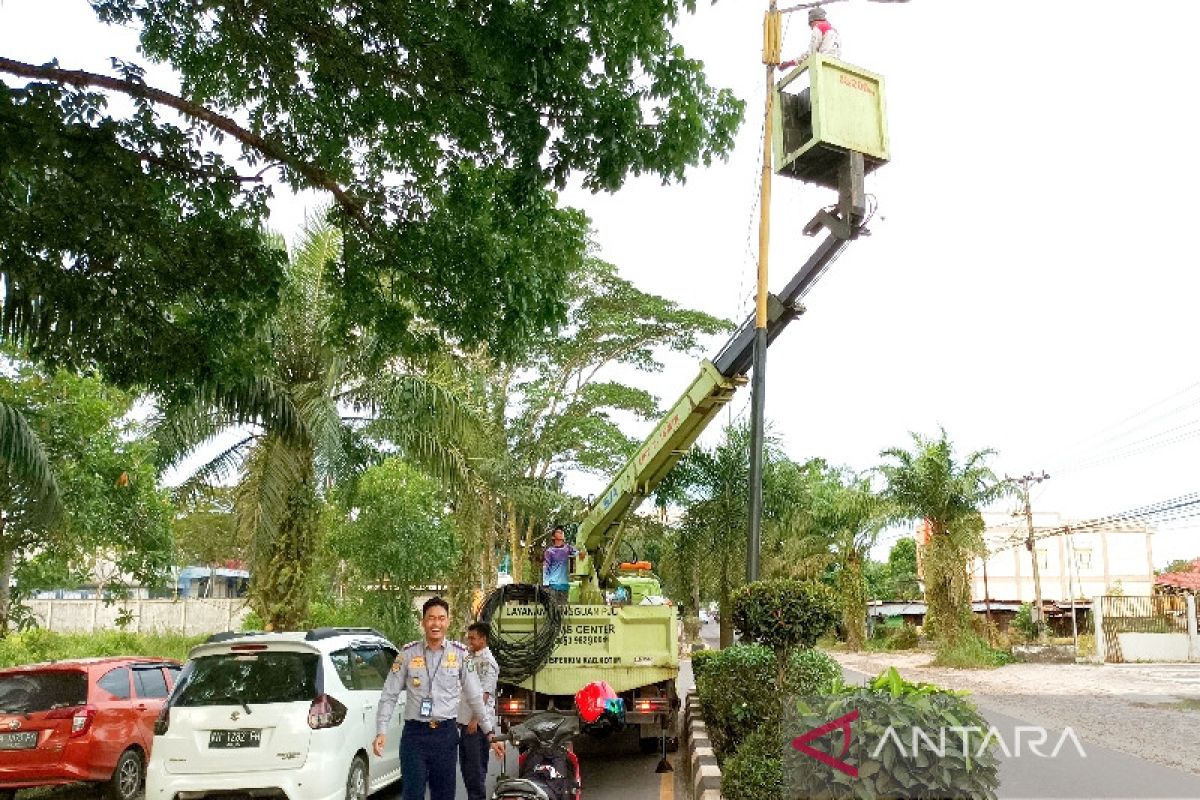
[547, 768]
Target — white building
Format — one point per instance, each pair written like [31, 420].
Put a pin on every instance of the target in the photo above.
[1117, 558]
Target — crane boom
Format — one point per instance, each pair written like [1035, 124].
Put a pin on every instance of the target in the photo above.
[719, 379]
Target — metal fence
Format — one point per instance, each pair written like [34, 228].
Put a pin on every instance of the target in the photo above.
[1154, 614]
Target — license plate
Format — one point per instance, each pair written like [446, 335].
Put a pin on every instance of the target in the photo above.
[25, 740]
[240, 738]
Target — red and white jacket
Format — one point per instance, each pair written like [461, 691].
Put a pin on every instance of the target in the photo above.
[824, 40]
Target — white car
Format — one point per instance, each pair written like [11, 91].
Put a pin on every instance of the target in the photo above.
[287, 715]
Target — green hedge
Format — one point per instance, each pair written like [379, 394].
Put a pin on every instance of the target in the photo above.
[784, 613]
[37, 645]
[700, 661]
[738, 692]
[765, 767]
[755, 771]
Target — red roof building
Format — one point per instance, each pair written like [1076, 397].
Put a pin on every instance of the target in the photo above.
[1180, 582]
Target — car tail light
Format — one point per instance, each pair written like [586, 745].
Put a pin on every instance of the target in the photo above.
[651, 705]
[325, 712]
[81, 718]
[163, 721]
[512, 705]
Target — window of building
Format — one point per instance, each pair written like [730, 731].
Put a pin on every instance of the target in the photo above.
[1083, 558]
[1043, 557]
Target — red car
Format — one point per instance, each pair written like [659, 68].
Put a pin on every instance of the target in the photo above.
[85, 720]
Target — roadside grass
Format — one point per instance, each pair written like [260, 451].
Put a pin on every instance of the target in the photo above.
[970, 652]
[37, 645]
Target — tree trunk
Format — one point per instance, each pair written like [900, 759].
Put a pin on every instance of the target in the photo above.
[7, 561]
[853, 592]
[281, 580]
[726, 607]
[947, 593]
[516, 555]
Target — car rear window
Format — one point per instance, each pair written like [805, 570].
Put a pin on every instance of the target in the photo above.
[23, 692]
[236, 678]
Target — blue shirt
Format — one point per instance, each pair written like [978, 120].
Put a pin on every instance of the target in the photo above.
[554, 564]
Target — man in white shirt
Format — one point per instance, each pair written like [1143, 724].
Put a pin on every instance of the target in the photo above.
[473, 741]
[824, 39]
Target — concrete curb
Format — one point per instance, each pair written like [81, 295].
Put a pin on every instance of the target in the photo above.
[703, 773]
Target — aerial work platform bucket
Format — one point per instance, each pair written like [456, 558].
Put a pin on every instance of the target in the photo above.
[824, 109]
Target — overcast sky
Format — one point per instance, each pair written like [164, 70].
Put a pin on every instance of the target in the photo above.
[1031, 279]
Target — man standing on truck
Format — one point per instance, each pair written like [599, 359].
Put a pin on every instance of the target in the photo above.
[556, 562]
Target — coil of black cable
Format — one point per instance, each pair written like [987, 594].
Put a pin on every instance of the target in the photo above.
[521, 655]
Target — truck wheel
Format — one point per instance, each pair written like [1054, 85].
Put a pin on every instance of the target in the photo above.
[673, 744]
[356, 780]
[127, 777]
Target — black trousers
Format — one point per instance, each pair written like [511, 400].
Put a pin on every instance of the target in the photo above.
[473, 758]
[427, 759]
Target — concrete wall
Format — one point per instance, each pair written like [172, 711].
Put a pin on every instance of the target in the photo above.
[1159, 646]
[1167, 647]
[191, 617]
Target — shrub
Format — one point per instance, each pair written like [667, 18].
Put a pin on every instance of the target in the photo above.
[755, 771]
[902, 638]
[970, 652]
[1023, 623]
[783, 614]
[700, 661]
[739, 692]
[885, 770]
[810, 672]
[36, 645]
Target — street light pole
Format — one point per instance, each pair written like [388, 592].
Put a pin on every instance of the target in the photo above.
[758, 387]
[772, 44]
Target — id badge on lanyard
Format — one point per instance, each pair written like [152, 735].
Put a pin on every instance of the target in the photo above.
[427, 708]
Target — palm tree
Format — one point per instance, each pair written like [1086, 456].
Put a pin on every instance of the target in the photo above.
[844, 517]
[713, 485]
[928, 483]
[315, 413]
[29, 493]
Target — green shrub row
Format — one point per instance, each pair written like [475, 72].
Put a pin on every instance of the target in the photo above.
[37, 645]
[766, 767]
[968, 651]
[739, 693]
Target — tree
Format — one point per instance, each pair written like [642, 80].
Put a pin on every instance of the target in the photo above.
[902, 568]
[77, 487]
[711, 484]
[395, 535]
[928, 483]
[847, 516]
[313, 415]
[559, 407]
[205, 529]
[1183, 565]
[439, 132]
[568, 414]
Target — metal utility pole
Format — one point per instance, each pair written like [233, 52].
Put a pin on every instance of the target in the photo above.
[772, 42]
[1072, 566]
[1025, 481]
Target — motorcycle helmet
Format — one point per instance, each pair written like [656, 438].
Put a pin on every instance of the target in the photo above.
[599, 707]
